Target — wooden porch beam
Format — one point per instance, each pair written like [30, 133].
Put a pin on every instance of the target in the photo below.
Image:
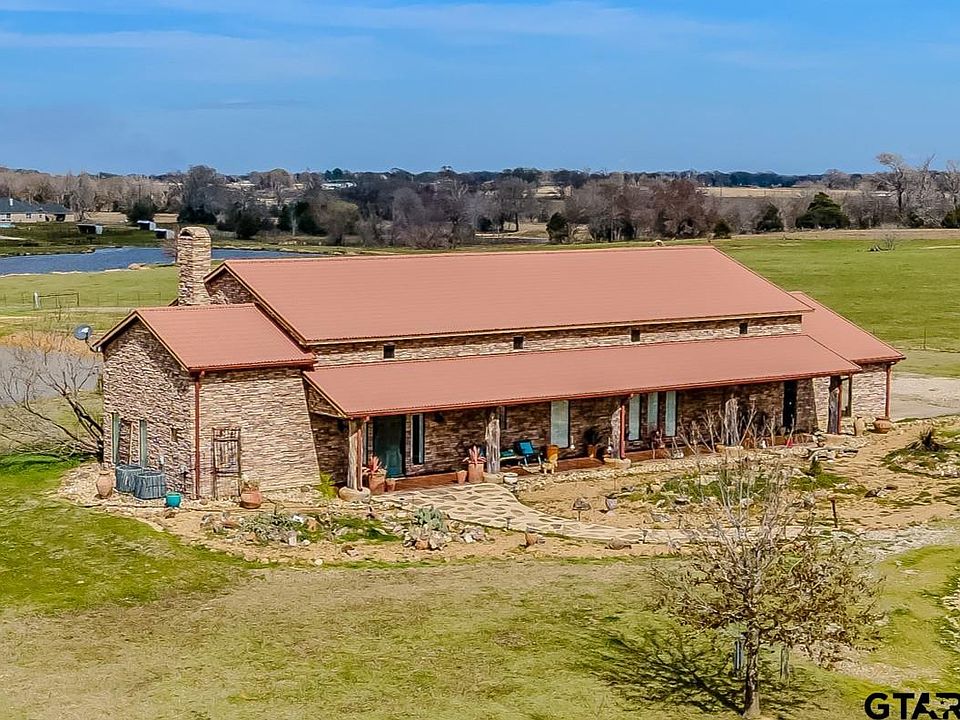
[492, 439]
[356, 429]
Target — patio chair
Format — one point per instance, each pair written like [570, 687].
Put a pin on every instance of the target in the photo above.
[526, 450]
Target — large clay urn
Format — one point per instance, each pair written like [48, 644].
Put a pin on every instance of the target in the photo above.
[104, 485]
[882, 425]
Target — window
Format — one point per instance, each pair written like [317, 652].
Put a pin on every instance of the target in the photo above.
[144, 459]
[518, 342]
[175, 434]
[653, 412]
[416, 440]
[115, 438]
[670, 414]
[633, 418]
[389, 352]
[743, 328]
[560, 423]
[634, 334]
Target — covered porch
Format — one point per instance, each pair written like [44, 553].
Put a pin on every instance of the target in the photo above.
[419, 418]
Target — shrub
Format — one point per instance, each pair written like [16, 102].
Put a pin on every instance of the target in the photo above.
[823, 212]
[769, 220]
[721, 229]
[141, 209]
[558, 229]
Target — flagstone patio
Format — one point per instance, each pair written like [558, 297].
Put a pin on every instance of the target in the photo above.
[495, 506]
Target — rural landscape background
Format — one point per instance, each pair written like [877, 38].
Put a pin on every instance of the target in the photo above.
[813, 143]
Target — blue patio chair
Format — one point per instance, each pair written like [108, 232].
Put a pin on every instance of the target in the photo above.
[528, 451]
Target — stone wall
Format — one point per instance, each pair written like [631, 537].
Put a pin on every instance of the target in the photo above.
[561, 339]
[225, 289]
[269, 407]
[870, 392]
[330, 441]
[142, 381]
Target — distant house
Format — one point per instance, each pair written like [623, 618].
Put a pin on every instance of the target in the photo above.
[55, 212]
[90, 229]
[18, 211]
[164, 234]
[149, 225]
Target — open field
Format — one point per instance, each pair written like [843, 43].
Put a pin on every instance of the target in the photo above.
[106, 618]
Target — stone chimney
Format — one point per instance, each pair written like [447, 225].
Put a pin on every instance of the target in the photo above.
[193, 263]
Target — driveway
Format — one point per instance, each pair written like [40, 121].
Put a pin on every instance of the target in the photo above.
[923, 396]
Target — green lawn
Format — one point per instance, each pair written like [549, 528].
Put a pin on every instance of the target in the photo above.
[115, 620]
[904, 296]
[27, 239]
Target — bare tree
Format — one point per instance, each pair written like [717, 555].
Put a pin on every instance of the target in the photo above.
[49, 394]
[760, 571]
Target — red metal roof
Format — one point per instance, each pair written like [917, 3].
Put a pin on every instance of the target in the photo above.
[399, 296]
[844, 337]
[391, 387]
[217, 337]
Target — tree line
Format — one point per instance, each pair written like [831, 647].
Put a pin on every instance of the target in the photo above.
[445, 208]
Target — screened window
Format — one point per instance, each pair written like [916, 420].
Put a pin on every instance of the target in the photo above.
[633, 418]
[389, 352]
[634, 334]
[143, 444]
[670, 414]
[417, 449]
[560, 423]
[518, 342]
[743, 328]
[115, 438]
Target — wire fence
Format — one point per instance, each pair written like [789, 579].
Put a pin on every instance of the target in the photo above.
[37, 301]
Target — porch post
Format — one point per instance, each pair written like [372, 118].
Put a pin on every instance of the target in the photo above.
[616, 430]
[886, 401]
[492, 437]
[355, 433]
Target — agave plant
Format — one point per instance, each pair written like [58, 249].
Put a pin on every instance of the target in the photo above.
[374, 467]
[475, 456]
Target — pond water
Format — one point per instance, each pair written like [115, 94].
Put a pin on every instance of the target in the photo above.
[113, 258]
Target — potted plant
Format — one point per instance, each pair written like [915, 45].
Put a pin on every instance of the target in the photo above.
[376, 475]
[591, 438]
[475, 463]
[250, 496]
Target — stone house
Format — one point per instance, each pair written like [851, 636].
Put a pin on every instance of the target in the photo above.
[285, 369]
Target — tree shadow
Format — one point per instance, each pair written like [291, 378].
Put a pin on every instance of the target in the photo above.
[674, 667]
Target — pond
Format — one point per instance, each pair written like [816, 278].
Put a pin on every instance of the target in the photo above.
[113, 258]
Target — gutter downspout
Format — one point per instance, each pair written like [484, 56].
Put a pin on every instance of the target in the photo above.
[196, 433]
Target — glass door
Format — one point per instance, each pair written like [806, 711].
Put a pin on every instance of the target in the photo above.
[389, 440]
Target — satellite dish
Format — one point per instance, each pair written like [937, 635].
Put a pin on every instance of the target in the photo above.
[82, 332]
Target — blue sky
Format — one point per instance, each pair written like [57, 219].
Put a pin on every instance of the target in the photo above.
[791, 86]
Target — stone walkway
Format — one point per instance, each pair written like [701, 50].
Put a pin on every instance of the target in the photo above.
[496, 507]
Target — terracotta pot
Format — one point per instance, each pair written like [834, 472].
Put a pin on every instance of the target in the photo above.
[377, 483]
[882, 425]
[391, 484]
[474, 473]
[461, 477]
[104, 485]
[591, 451]
[251, 498]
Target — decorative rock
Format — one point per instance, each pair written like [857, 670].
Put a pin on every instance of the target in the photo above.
[618, 544]
[350, 495]
[530, 538]
[312, 524]
[350, 551]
